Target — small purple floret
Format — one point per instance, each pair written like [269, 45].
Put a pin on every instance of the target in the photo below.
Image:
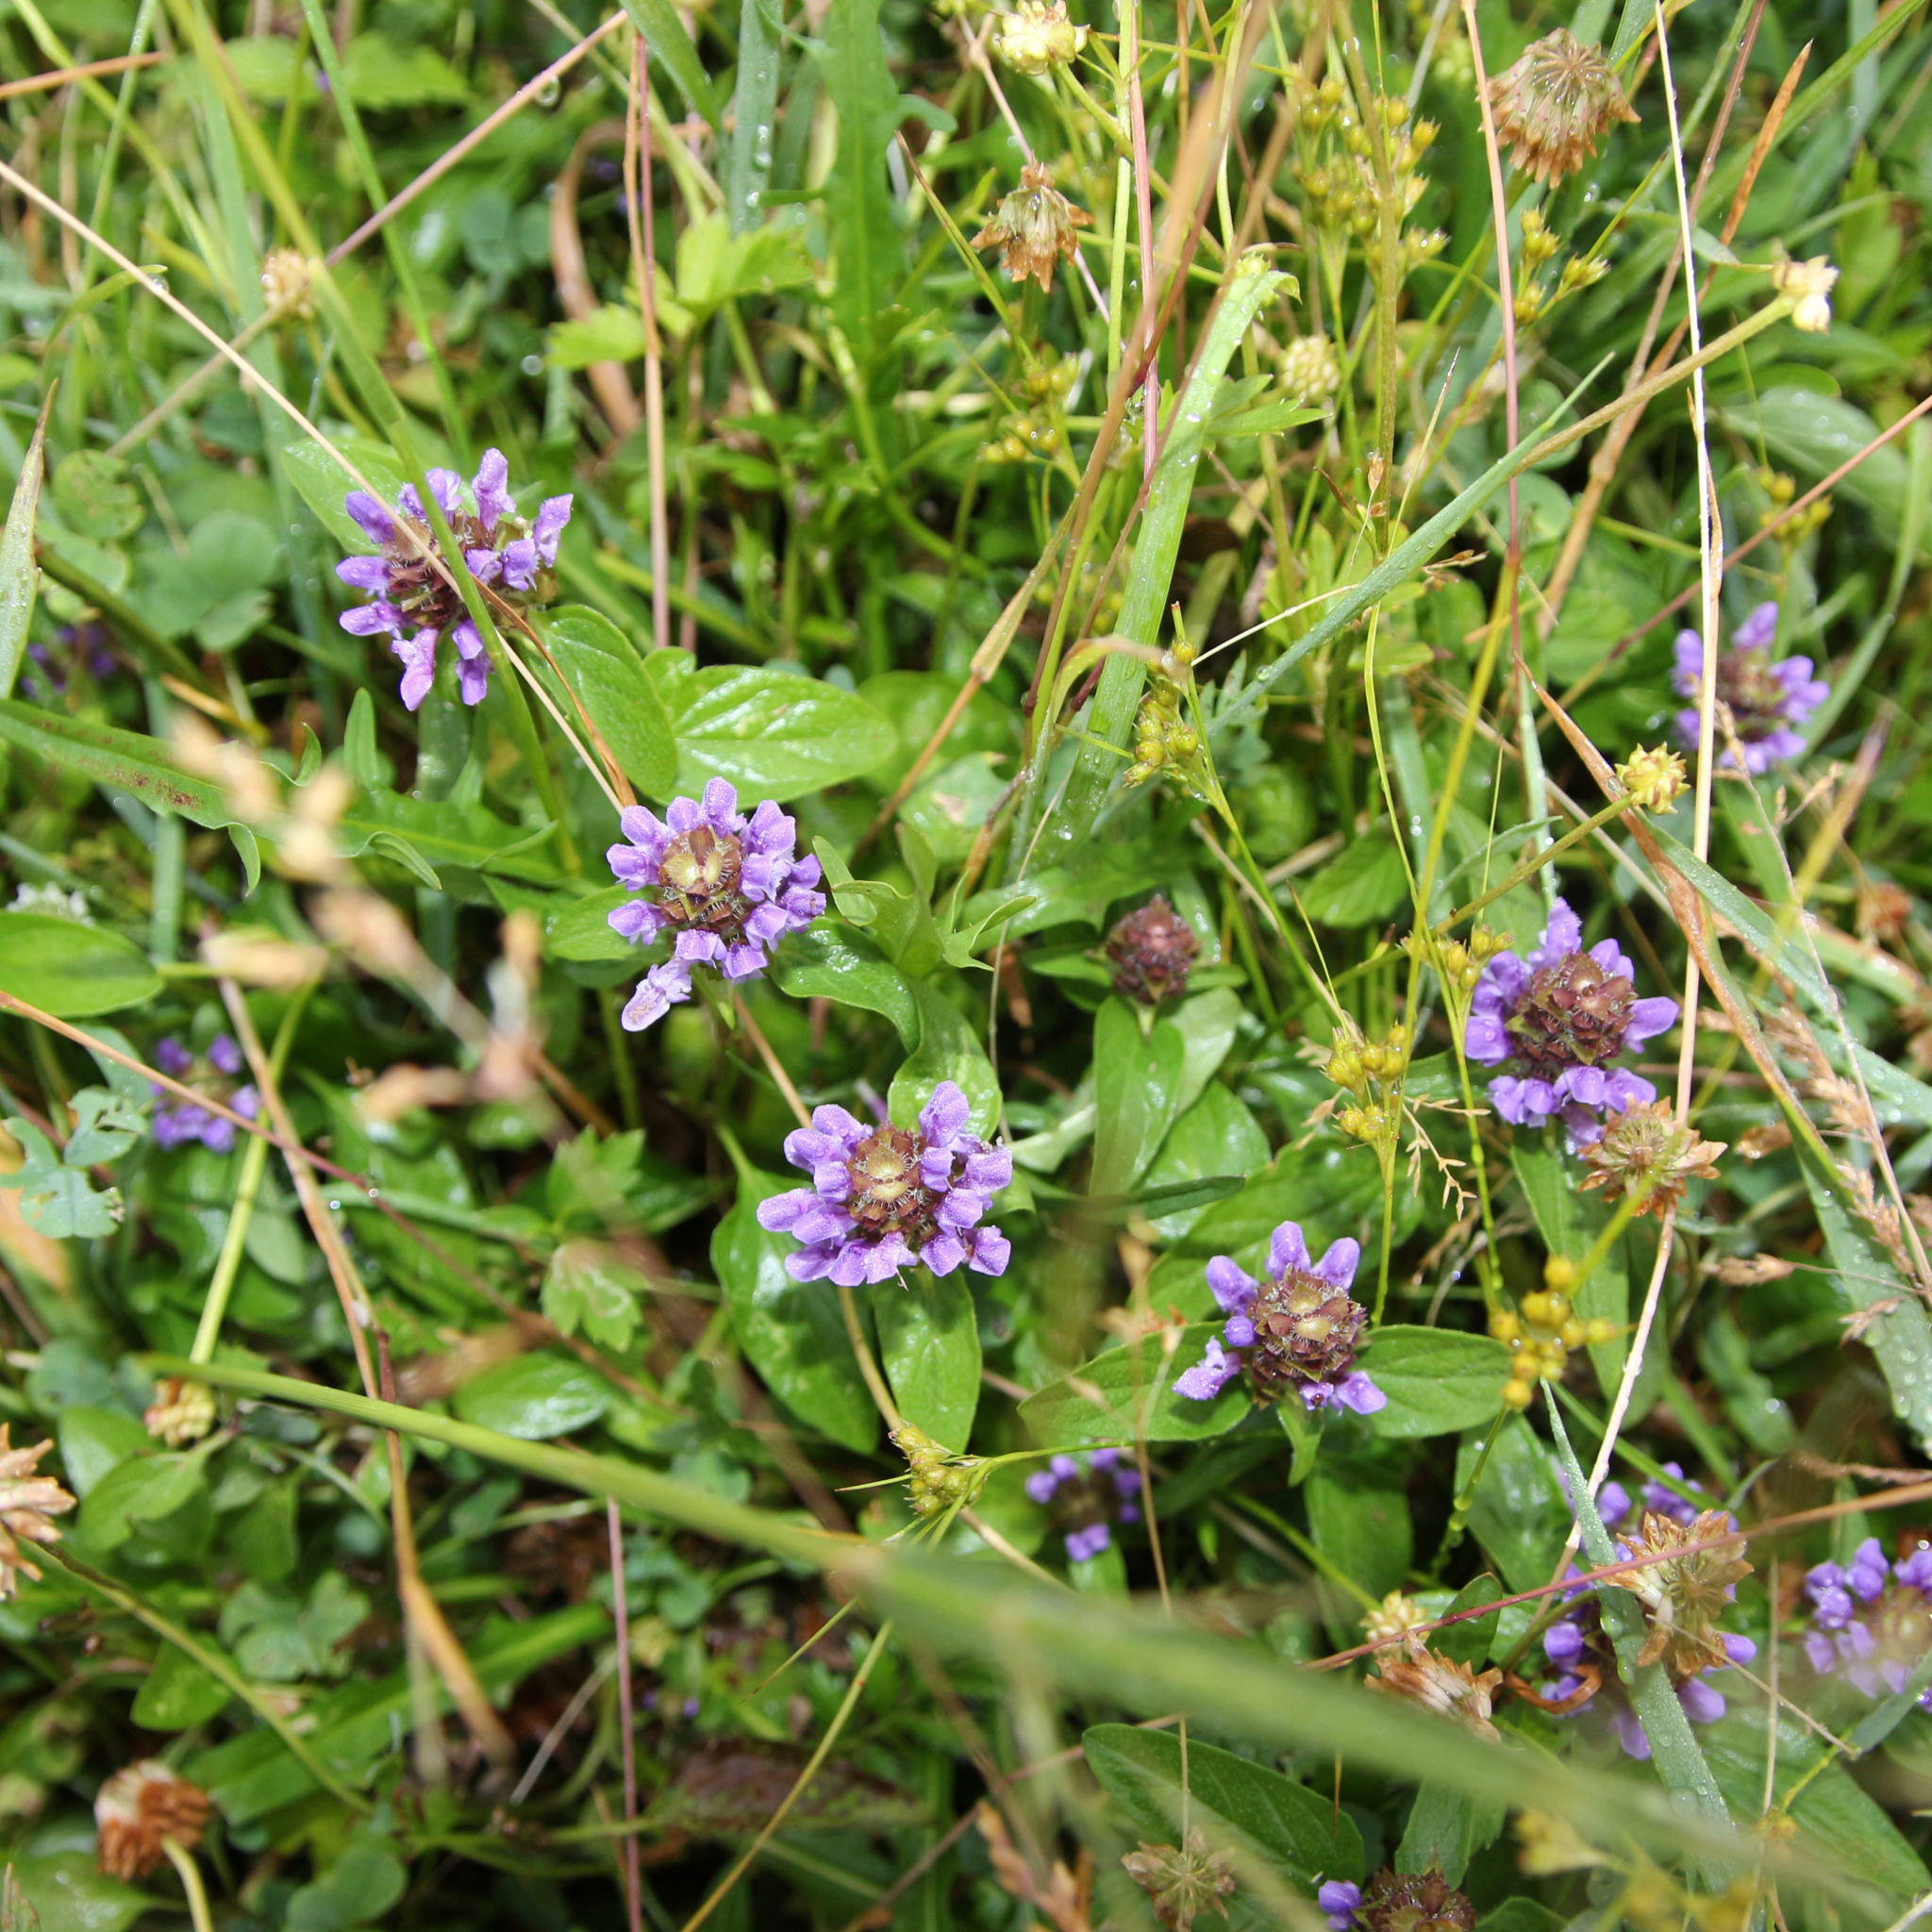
[177, 1120]
[1767, 699]
[1340, 1901]
[412, 600]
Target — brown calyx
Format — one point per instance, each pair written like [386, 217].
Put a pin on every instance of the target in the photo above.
[888, 1196]
[698, 883]
[1574, 1013]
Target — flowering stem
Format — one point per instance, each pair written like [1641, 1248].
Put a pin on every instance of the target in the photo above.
[254, 1160]
[183, 1862]
[868, 1365]
[626, 1726]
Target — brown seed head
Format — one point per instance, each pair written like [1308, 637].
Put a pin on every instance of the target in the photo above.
[28, 1504]
[1684, 1597]
[140, 1807]
[1451, 1688]
[1573, 1013]
[1306, 1330]
[1556, 104]
[1033, 227]
[1152, 953]
[1427, 1903]
[1182, 1882]
[1644, 1147]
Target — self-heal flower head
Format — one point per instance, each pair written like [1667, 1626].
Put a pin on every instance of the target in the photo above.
[178, 1121]
[411, 598]
[1561, 1015]
[728, 887]
[1767, 701]
[1872, 1622]
[1296, 1330]
[1088, 1495]
[883, 1198]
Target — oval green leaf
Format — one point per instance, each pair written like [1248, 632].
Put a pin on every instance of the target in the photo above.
[1128, 1392]
[70, 970]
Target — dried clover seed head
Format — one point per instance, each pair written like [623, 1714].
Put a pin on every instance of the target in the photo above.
[1684, 1597]
[1034, 228]
[141, 1808]
[1556, 104]
[1182, 1882]
[1646, 1148]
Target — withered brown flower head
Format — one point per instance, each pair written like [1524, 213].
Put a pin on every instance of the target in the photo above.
[1644, 1146]
[1684, 1597]
[1556, 104]
[1427, 1903]
[1033, 227]
[1152, 953]
[140, 1807]
[1451, 1688]
[1182, 1882]
[28, 1504]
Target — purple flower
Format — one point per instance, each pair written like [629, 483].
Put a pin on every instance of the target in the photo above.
[1086, 1497]
[884, 1198]
[729, 890]
[1766, 700]
[1660, 1500]
[1561, 1015]
[1296, 1330]
[1612, 1500]
[178, 1121]
[1871, 1623]
[1341, 1901]
[413, 603]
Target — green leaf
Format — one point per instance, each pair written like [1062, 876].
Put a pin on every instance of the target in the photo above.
[19, 575]
[614, 333]
[1218, 1135]
[948, 1049]
[1519, 1515]
[1438, 1380]
[70, 970]
[791, 1332]
[105, 1125]
[715, 266]
[580, 928]
[1445, 1827]
[771, 734]
[657, 21]
[56, 1199]
[835, 962]
[535, 1397]
[71, 1894]
[930, 1347]
[1283, 1838]
[178, 1693]
[590, 1288]
[1137, 1079]
[1469, 1644]
[604, 670]
[748, 164]
[441, 833]
[122, 760]
[144, 1489]
[858, 201]
[383, 74]
[1362, 886]
[1128, 1393]
[1358, 1517]
[1208, 1023]
[1079, 892]
[96, 1440]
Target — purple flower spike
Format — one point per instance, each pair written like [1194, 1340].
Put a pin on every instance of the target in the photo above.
[413, 603]
[886, 1198]
[212, 1074]
[1295, 1330]
[1871, 1622]
[727, 889]
[1767, 699]
[1340, 1901]
[1559, 1015]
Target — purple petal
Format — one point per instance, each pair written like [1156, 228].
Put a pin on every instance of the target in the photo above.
[1210, 1375]
[1286, 1250]
[419, 667]
[1337, 1266]
[1562, 936]
[1041, 1486]
[943, 1253]
[552, 516]
[744, 962]
[370, 619]
[364, 572]
[1648, 1018]
[779, 1213]
[225, 1056]
[520, 563]
[943, 1118]
[1486, 1040]
[1704, 1704]
[1357, 1393]
[1233, 1289]
[1757, 630]
[1239, 1331]
[371, 517]
[1741, 1650]
[721, 808]
[987, 1250]
[491, 488]
[173, 1057]
[662, 988]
